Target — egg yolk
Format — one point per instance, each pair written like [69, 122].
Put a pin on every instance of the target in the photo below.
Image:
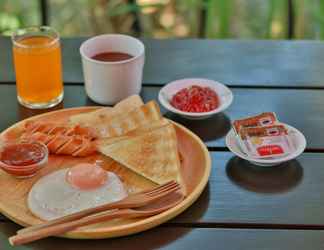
[86, 176]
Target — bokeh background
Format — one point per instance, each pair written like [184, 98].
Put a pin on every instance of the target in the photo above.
[235, 19]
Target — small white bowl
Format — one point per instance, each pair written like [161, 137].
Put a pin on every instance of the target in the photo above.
[297, 138]
[168, 91]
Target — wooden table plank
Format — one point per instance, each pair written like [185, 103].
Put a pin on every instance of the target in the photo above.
[182, 238]
[279, 196]
[303, 109]
[249, 63]
[239, 194]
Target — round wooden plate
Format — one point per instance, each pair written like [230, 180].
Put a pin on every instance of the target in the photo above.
[195, 167]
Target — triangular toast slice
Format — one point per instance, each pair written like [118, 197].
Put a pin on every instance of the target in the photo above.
[103, 115]
[122, 124]
[153, 155]
[138, 131]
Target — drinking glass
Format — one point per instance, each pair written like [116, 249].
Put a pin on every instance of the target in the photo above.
[37, 60]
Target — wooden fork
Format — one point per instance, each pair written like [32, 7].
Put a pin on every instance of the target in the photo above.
[131, 201]
[148, 210]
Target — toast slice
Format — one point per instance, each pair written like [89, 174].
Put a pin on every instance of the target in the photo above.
[119, 122]
[153, 154]
[103, 115]
[124, 123]
[138, 131]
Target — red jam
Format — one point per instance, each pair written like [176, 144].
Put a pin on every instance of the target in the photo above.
[22, 154]
[195, 99]
[23, 160]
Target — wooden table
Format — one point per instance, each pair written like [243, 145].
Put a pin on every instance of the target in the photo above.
[243, 206]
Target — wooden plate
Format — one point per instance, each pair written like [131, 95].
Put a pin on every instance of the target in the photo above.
[195, 167]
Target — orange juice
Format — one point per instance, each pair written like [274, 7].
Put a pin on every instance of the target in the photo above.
[37, 62]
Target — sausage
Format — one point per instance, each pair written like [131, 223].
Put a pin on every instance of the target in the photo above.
[62, 140]
[53, 128]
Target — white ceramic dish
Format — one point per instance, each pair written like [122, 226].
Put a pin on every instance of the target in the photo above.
[298, 140]
[224, 93]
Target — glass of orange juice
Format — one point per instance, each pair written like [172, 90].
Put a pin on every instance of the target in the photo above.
[37, 60]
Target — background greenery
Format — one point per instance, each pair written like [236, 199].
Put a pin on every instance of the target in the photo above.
[256, 19]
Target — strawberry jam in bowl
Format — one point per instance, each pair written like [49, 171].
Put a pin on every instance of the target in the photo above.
[23, 159]
[195, 98]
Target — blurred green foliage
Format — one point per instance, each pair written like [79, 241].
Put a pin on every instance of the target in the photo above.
[256, 19]
[18, 13]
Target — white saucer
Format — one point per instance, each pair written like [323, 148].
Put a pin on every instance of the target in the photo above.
[297, 138]
[224, 93]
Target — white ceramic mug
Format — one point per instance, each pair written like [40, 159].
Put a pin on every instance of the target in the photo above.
[109, 82]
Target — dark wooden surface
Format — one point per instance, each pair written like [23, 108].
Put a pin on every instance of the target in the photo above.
[181, 238]
[303, 109]
[272, 197]
[243, 206]
[248, 63]
[241, 194]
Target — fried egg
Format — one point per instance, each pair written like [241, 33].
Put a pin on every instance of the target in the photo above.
[67, 191]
